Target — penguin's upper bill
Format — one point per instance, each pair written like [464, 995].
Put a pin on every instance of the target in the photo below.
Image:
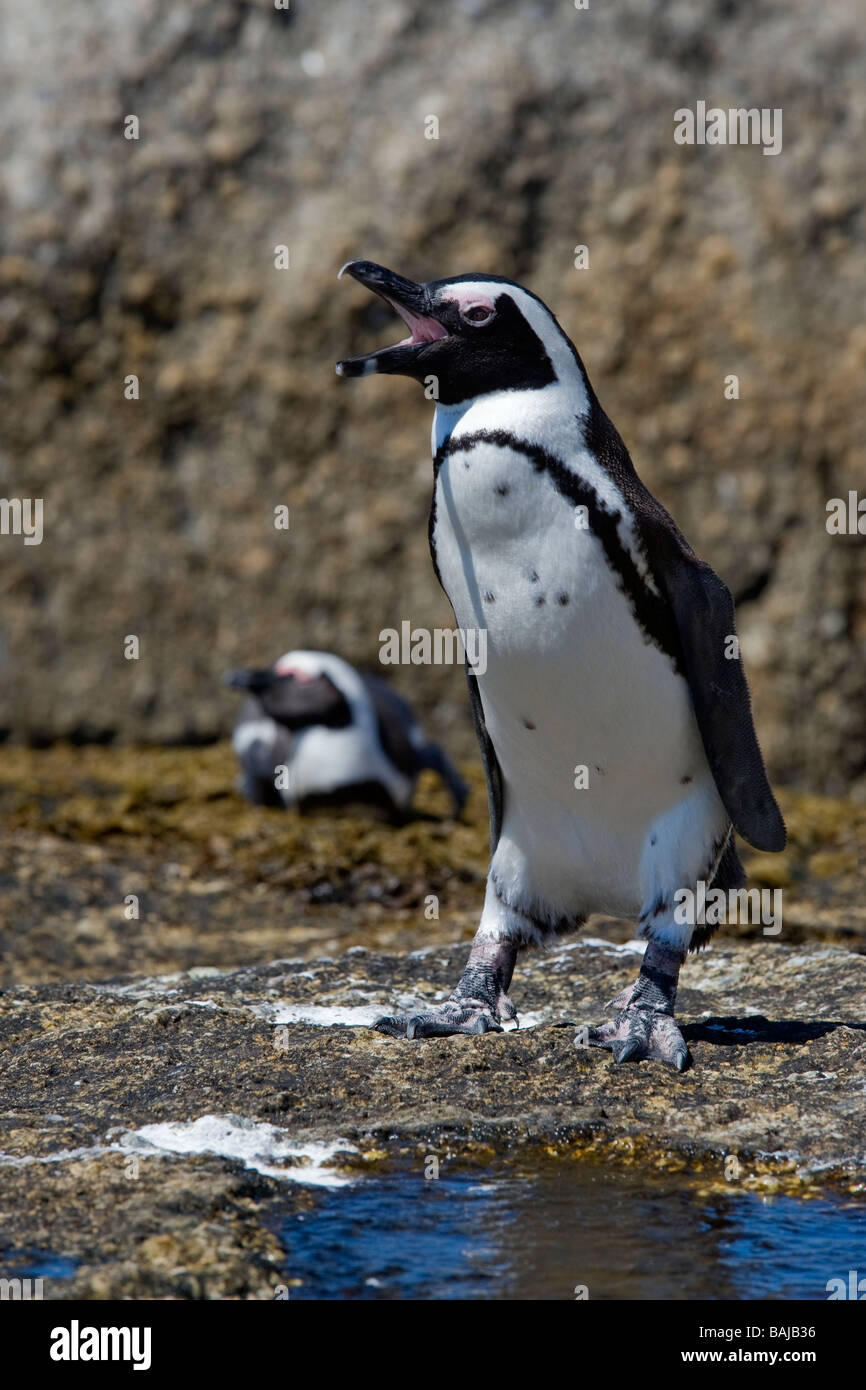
[470, 334]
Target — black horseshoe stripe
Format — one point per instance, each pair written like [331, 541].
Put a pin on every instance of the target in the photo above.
[651, 611]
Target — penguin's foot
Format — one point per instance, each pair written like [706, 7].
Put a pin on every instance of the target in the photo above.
[638, 1034]
[456, 1015]
[479, 1004]
[643, 1025]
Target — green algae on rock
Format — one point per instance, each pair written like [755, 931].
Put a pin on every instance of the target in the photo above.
[222, 883]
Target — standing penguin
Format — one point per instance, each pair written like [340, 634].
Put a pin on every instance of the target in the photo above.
[341, 736]
[613, 714]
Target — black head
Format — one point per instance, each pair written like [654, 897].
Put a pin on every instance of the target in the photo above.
[468, 335]
[294, 696]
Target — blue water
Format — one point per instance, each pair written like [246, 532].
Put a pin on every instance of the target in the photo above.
[36, 1264]
[497, 1234]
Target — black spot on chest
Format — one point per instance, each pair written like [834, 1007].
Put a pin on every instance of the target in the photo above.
[650, 608]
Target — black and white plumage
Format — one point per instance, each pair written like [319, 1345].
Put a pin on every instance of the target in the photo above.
[608, 647]
[341, 736]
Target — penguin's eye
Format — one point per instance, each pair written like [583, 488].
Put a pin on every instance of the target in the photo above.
[477, 313]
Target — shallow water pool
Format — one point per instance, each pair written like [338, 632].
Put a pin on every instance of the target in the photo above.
[497, 1234]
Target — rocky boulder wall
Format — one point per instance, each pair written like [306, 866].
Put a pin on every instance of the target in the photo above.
[308, 128]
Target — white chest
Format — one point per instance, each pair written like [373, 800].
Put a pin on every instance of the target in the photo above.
[325, 759]
[592, 725]
[519, 561]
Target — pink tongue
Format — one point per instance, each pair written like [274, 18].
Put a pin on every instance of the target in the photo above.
[423, 330]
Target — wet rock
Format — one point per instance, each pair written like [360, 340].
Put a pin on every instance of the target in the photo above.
[153, 1126]
[168, 1099]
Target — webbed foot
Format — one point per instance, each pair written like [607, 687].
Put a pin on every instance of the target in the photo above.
[479, 1004]
[638, 1034]
[456, 1015]
[643, 1026]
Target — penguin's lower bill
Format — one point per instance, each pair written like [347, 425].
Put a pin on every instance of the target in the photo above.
[410, 302]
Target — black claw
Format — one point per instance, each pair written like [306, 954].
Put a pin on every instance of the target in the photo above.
[441, 1023]
[641, 1035]
[392, 1026]
[630, 1048]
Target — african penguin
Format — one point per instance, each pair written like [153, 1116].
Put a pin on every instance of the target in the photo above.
[341, 735]
[613, 714]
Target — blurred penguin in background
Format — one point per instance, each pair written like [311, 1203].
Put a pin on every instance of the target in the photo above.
[340, 736]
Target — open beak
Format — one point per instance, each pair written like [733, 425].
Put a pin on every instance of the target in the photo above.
[411, 302]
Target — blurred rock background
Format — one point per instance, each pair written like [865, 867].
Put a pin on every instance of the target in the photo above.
[306, 127]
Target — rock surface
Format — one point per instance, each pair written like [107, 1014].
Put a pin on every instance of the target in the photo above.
[306, 127]
[112, 1092]
[167, 1099]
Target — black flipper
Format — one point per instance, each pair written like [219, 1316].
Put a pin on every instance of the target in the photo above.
[432, 756]
[404, 743]
[261, 791]
[704, 614]
[394, 719]
[492, 770]
[260, 758]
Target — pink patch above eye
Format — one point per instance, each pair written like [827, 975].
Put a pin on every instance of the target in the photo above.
[467, 298]
[285, 668]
